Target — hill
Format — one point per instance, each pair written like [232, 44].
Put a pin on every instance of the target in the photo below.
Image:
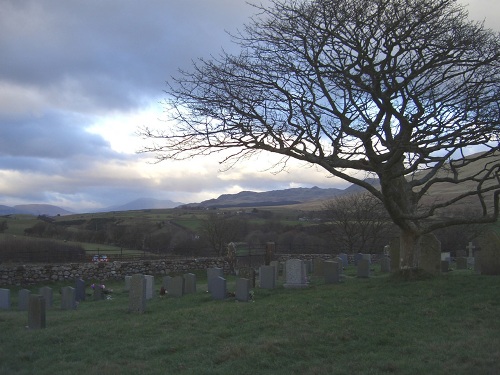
[286, 197]
[143, 204]
[34, 209]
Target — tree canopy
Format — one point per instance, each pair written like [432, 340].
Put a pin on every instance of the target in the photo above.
[401, 90]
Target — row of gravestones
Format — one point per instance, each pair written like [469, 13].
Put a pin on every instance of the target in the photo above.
[37, 304]
[485, 262]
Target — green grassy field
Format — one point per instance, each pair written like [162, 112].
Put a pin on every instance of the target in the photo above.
[446, 325]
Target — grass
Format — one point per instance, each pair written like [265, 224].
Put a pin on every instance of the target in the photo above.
[445, 325]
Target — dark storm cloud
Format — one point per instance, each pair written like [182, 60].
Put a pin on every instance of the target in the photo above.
[110, 54]
[52, 135]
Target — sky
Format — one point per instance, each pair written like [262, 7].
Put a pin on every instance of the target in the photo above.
[78, 78]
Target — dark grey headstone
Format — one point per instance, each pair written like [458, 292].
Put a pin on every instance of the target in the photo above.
[276, 265]
[385, 264]
[331, 272]
[98, 292]
[267, 277]
[189, 283]
[176, 287]
[248, 273]
[5, 299]
[80, 290]
[137, 294]
[445, 266]
[166, 282]
[368, 257]
[490, 253]
[242, 290]
[127, 283]
[363, 268]
[318, 267]
[462, 263]
[36, 312]
[461, 254]
[219, 289]
[150, 284]
[430, 254]
[23, 299]
[212, 274]
[345, 260]
[477, 262]
[357, 258]
[48, 294]
[68, 298]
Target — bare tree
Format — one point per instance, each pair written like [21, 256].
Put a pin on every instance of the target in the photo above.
[395, 89]
[358, 222]
[219, 230]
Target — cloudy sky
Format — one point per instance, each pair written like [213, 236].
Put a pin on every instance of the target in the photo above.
[79, 77]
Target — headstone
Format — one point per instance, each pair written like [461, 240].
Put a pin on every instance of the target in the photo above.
[137, 294]
[276, 265]
[357, 258]
[296, 275]
[318, 267]
[385, 264]
[218, 290]
[212, 274]
[36, 311]
[446, 256]
[127, 283]
[470, 248]
[308, 263]
[68, 298]
[150, 283]
[345, 260]
[461, 254]
[430, 254]
[490, 253]
[189, 283]
[98, 292]
[445, 266]
[176, 287]
[331, 272]
[242, 290]
[267, 277]
[461, 263]
[270, 249]
[363, 268]
[340, 263]
[248, 273]
[368, 257]
[48, 294]
[5, 299]
[387, 250]
[477, 262]
[165, 283]
[79, 290]
[23, 299]
[395, 253]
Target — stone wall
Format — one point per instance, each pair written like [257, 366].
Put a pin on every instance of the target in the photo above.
[30, 274]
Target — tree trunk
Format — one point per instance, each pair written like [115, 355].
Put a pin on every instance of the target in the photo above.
[409, 250]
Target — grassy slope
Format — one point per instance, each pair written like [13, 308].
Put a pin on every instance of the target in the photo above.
[447, 325]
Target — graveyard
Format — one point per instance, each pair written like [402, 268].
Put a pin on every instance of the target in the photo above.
[304, 321]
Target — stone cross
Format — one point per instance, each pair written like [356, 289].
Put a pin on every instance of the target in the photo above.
[470, 247]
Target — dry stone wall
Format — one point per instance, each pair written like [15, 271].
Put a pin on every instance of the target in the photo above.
[30, 274]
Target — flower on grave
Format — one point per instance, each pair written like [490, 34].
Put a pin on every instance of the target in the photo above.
[102, 286]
